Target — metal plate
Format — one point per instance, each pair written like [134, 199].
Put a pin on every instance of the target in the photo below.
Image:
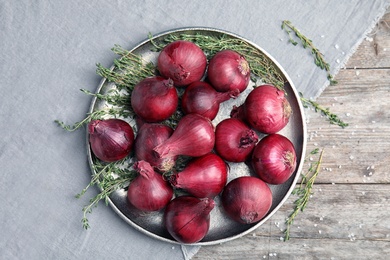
[222, 228]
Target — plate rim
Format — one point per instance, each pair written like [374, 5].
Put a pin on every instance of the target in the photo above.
[298, 169]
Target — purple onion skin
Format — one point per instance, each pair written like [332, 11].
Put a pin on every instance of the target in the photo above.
[228, 70]
[265, 109]
[234, 140]
[274, 159]
[154, 99]
[187, 218]
[246, 199]
[148, 137]
[194, 136]
[111, 140]
[182, 61]
[148, 191]
[201, 98]
[203, 176]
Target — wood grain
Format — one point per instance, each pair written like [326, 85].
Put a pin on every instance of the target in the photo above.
[348, 216]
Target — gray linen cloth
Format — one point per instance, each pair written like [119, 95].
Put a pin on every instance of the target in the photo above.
[48, 51]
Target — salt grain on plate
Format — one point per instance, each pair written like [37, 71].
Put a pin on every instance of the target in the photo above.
[336, 46]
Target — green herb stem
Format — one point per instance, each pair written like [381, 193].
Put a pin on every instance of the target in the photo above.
[109, 177]
[319, 59]
[304, 191]
[333, 118]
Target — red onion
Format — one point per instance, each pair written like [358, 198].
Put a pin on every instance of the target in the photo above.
[182, 61]
[148, 137]
[187, 218]
[148, 191]
[274, 159]
[203, 99]
[266, 109]
[154, 99]
[194, 136]
[111, 140]
[246, 199]
[204, 176]
[234, 140]
[228, 70]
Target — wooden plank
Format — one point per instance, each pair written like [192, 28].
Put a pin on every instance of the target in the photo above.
[340, 222]
[358, 153]
[375, 49]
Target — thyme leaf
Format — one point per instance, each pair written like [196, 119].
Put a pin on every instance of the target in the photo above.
[304, 191]
[319, 59]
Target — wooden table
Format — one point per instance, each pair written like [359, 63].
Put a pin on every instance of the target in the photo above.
[348, 215]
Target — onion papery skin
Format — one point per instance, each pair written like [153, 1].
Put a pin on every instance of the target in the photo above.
[194, 136]
[203, 176]
[234, 140]
[182, 61]
[187, 218]
[111, 139]
[148, 191]
[154, 99]
[265, 109]
[274, 159]
[228, 70]
[246, 199]
[148, 137]
[201, 98]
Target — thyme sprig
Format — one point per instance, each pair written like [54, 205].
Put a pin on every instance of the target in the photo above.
[90, 116]
[333, 118]
[304, 191]
[319, 59]
[109, 177]
[260, 65]
[127, 71]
